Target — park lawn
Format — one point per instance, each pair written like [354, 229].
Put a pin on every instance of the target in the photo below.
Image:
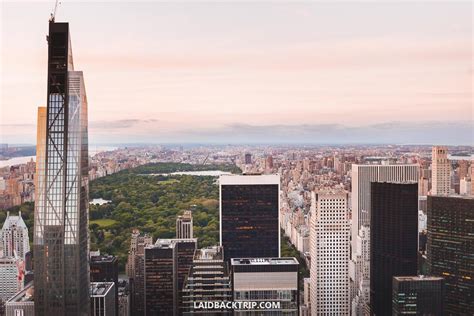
[104, 222]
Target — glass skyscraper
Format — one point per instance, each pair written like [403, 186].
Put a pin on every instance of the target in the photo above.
[61, 241]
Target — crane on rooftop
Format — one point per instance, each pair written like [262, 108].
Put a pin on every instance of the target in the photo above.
[53, 14]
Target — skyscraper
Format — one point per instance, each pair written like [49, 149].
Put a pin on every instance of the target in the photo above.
[184, 225]
[10, 282]
[249, 215]
[362, 176]
[61, 239]
[441, 171]
[393, 239]
[167, 264]
[450, 249]
[15, 238]
[417, 295]
[329, 249]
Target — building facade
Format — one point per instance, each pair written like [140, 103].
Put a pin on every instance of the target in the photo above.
[61, 238]
[21, 304]
[184, 225]
[208, 280]
[102, 299]
[417, 295]
[249, 215]
[450, 250]
[441, 171]
[15, 240]
[10, 277]
[393, 239]
[266, 280]
[329, 249]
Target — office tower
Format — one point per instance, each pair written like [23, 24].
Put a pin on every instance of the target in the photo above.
[441, 171]
[135, 270]
[10, 276]
[393, 239]
[21, 304]
[104, 268]
[417, 295]
[248, 159]
[61, 239]
[167, 264]
[263, 280]
[249, 215]
[329, 249]
[123, 304]
[463, 168]
[102, 299]
[362, 176]
[184, 225]
[15, 240]
[450, 250]
[269, 163]
[208, 280]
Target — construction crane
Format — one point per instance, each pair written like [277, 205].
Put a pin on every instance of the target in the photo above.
[53, 14]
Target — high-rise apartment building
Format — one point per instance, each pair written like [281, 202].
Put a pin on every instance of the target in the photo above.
[441, 171]
[450, 250]
[208, 280]
[266, 280]
[329, 249]
[61, 238]
[362, 176]
[184, 225]
[15, 240]
[417, 295]
[167, 264]
[249, 215]
[393, 239]
[248, 159]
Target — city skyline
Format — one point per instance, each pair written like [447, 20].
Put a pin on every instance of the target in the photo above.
[269, 72]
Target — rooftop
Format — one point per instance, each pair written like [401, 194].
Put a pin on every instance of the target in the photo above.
[249, 179]
[263, 261]
[25, 295]
[417, 278]
[100, 288]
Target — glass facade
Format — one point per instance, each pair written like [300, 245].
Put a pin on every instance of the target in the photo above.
[61, 241]
[393, 239]
[249, 220]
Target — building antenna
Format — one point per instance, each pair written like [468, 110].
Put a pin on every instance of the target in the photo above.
[53, 14]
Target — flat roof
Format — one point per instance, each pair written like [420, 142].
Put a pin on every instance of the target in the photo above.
[249, 179]
[100, 288]
[263, 261]
[418, 278]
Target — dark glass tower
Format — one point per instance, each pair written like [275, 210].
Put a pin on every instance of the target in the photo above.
[450, 250]
[61, 238]
[393, 239]
[417, 295]
[249, 216]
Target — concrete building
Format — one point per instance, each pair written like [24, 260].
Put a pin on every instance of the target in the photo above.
[22, 303]
[441, 171]
[417, 295]
[208, 280]
[10, 277]
[329, 248]
[184, 225]
[450, 250]
[249, 215]
[264, 280]
[102, 299]
[15, 240]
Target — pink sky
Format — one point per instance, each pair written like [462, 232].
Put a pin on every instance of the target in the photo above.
[174, 68]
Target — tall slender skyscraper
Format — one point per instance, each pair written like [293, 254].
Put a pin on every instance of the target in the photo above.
[329, 248]
[393, 239]
[249, 215]
[61, 240]
[184, 225]
[441, 171]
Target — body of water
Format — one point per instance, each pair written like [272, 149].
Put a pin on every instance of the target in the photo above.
[93, 150]
[450, 157]
[212, 173]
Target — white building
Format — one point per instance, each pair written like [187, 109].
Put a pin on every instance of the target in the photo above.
[441, 171]
[15, 237]
[102, 296]
[329, 248]
[465, 186]
[362, 273]
[10, 280]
